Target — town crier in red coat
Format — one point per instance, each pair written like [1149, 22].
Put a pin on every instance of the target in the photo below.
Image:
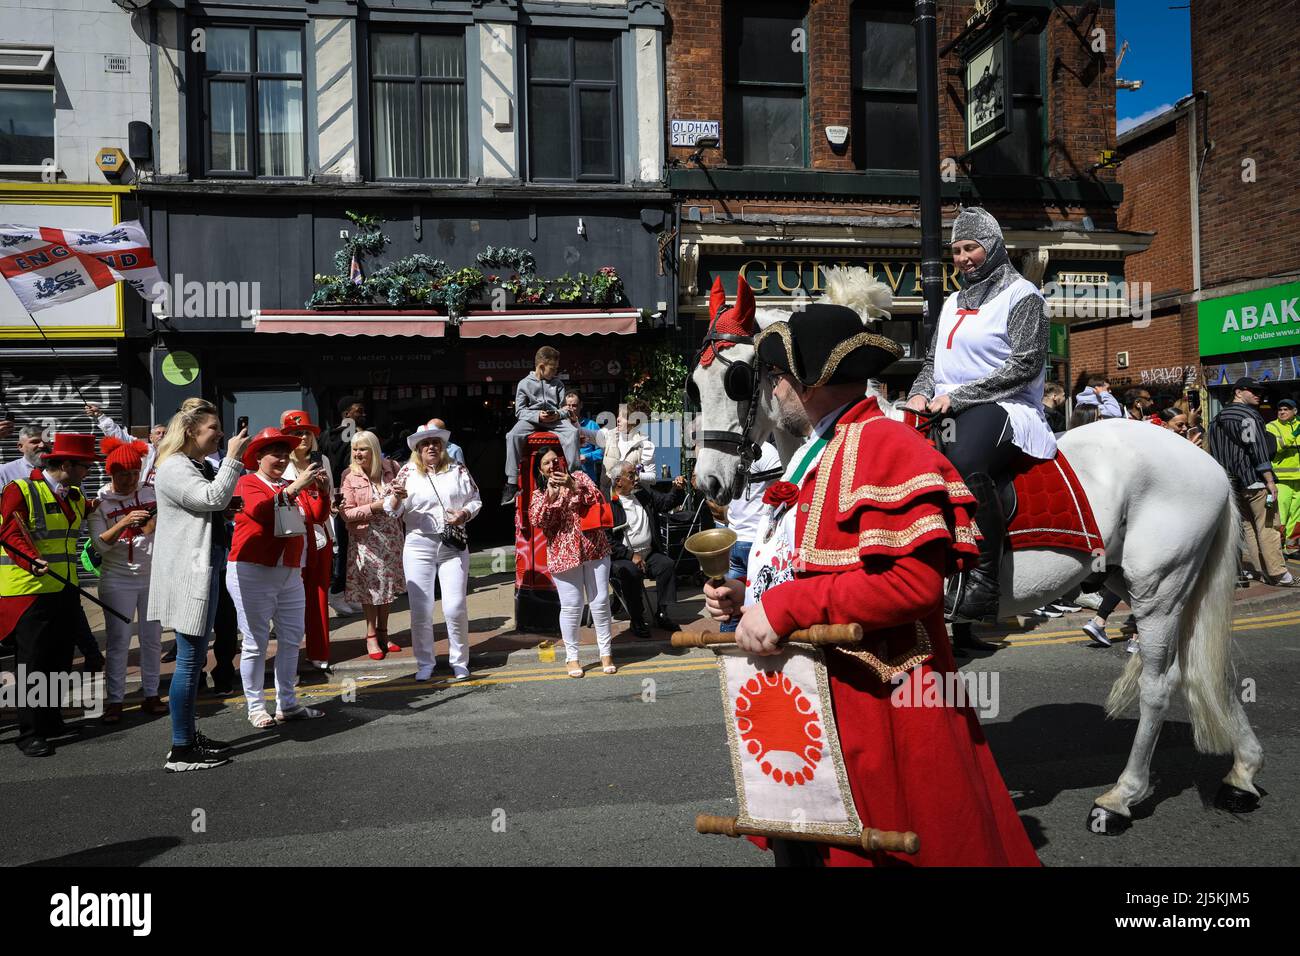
[865, 525]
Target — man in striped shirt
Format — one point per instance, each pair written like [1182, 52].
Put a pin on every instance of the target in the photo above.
[1239, 442]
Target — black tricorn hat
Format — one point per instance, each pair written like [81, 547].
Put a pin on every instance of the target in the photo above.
[825, 344]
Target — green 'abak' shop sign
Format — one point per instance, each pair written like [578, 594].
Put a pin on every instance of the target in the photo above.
[1263, 319]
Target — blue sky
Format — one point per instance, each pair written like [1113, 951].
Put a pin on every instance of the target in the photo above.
[1159, 54]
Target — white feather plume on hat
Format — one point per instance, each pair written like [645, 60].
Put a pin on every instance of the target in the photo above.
[856, 289]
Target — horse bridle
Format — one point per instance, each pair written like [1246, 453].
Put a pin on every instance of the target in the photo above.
[741, 381]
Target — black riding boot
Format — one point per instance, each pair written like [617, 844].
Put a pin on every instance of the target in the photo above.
[973, 595]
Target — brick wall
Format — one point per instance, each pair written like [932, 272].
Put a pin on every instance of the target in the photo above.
[1157, 198]
[1160, 354]
[1080, 99]
[1246, 58]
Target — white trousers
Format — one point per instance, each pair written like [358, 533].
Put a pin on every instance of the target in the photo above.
[263, 595]
[130, 596]
[588, 583]
[426, 560]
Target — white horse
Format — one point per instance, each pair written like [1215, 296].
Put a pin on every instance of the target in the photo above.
[1171, 536]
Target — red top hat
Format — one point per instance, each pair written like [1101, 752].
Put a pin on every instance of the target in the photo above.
[265, 439]
[298, 419]
[75, 447]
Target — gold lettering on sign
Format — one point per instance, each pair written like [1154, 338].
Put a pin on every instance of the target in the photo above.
[817, 277]
[753, 284]
[894, 280]
[780, 270]
[950, 279]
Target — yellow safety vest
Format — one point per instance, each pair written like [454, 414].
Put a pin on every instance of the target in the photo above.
[1286, 463]
[55, 538]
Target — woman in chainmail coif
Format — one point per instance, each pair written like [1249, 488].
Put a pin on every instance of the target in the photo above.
[984, 370]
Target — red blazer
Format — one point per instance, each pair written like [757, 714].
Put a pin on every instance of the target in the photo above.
[254, 540]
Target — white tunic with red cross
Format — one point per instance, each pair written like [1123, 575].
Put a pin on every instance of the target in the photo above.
[973, 343]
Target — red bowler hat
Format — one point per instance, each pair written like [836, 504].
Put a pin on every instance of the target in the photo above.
[76, 447]
[265, 439]
[298, 419]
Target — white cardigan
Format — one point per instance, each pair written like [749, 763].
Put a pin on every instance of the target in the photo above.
[182, 541]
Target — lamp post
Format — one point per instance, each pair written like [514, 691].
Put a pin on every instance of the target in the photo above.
[925, 26]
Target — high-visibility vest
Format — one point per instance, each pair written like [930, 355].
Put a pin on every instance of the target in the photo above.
[1286, 463]
[55, 538]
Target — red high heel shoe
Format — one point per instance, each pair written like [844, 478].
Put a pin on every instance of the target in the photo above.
[393, 646]
[374, 655]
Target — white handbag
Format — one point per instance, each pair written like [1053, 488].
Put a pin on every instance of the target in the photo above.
[289, 522]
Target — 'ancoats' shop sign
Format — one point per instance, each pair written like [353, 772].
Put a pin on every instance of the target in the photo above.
[1263, 319]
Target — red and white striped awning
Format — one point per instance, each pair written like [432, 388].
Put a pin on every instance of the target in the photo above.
[407, 322]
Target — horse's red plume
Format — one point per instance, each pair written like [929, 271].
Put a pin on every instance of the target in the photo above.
[717, 298]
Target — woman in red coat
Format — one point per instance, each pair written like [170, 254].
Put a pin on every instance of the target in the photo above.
[320, 535]
[264, 576]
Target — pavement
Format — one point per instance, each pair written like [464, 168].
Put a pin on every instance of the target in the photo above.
[494, 641]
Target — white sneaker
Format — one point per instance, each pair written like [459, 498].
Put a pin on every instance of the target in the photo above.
[341, 607]
[424, 673]
[1132, 647]
[1097, 632]
[1089, 600]
[460, 673]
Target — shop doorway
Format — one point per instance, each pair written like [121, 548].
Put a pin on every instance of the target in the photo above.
[262, 406]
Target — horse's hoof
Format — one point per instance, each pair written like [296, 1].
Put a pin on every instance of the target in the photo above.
[1107, 822]
[1234, 799]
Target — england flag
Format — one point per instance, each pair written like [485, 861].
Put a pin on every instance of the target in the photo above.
[46, 266]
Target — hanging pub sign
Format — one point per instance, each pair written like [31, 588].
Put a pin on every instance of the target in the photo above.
[988, 90]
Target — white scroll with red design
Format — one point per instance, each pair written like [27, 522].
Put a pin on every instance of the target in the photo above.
[785, 752]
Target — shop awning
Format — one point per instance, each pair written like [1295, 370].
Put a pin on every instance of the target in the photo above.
[477, 325]
[350, 322]
[405, 322]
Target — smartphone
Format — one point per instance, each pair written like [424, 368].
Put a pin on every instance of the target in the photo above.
[1193, 399]
[10, 417]
[241, 424]
[315, 457]
[236, 503]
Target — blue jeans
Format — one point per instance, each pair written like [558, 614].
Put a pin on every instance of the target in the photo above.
[739, 570]
[191, 655]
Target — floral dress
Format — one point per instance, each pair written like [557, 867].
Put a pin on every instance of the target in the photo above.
[560, 519]
[375, 575]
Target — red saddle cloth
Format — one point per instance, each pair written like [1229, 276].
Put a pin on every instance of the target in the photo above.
[1052, 510]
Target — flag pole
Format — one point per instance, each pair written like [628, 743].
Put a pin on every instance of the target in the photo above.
[57, 357]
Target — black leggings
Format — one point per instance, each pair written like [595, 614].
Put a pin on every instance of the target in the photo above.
[980, 441]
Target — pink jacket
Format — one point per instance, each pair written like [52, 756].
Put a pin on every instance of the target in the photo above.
[358, 494]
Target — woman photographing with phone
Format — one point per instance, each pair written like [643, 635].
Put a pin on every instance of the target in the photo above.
[435, 497]
[264, 576]
[320, 535]
[578, 559]
[191, 544]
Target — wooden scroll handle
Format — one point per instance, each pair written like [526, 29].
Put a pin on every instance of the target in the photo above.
[817, 634]
[890, 841]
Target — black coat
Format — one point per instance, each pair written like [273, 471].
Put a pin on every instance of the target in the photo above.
[656, 503]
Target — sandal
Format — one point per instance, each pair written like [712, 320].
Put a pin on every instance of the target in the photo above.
[607, 665]
[574, 668]
[382, 635]
[261, 719]
[300, 713]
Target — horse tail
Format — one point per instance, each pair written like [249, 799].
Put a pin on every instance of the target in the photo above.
[1205, 638]
[1125, 689]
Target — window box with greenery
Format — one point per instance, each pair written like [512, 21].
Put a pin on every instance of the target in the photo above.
[27, 140]
[252, 102]
[417, 105]
[765, 64]
[884, 86]
[573, 108]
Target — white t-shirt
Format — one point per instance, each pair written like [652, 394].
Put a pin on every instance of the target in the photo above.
[745, 514]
